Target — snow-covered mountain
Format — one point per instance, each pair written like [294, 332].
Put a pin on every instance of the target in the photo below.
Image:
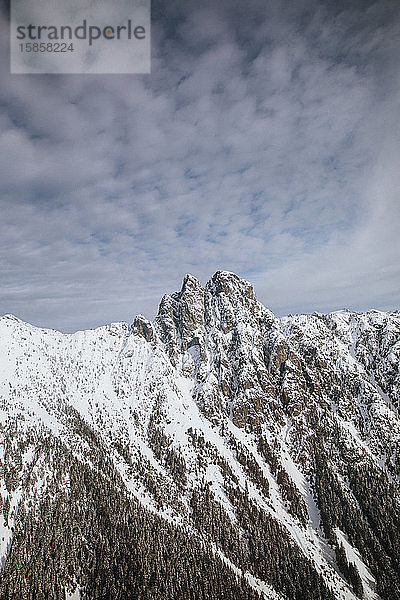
[217, 453]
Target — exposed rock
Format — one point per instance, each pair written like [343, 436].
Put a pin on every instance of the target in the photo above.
[143, 328]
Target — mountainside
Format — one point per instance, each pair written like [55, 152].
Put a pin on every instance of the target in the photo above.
[217, 453]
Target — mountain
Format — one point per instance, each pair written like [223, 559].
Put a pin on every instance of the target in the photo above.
[218, 453]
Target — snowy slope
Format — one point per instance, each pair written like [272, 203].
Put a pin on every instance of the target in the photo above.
[218, 403]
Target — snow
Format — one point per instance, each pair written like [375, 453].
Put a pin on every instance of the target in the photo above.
[76, 595]
[353, 556]
[5, 541]
[268, 593]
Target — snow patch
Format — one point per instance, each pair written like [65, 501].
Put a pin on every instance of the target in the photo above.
[353, 556]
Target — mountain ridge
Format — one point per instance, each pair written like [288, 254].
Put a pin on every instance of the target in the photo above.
[225, 422]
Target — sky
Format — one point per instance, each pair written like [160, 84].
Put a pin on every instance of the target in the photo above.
[265, 141]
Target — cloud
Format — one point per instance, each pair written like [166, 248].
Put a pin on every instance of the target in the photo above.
[264, 142]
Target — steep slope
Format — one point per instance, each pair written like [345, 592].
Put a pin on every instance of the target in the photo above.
[218, 452]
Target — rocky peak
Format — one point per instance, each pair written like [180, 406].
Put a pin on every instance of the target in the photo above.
[225, 282]
[143, 328]
[190, 284]
[231, 301]
[218, 336]
[187, 315]
[227, 302]
[179, 315]
[189, 309]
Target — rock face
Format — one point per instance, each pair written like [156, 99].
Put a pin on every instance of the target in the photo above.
[208, 334]
[219, 452]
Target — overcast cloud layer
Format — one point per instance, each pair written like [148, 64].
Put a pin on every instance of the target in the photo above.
[266, 141]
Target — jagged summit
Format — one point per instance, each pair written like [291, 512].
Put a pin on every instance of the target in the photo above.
[230, 284]
[189, 281]
[194, 298]
[197, 317]
[222, 281]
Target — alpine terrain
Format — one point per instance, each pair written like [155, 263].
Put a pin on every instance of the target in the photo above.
[218, 453]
